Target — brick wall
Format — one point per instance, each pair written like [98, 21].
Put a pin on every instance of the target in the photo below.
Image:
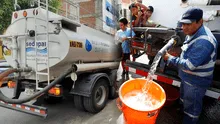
[89, 6]
[89, 21]
[91, 13]
[87, 13]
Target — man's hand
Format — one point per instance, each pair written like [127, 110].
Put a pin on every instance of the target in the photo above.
[123, 39]
[166, 56]
[142, 6]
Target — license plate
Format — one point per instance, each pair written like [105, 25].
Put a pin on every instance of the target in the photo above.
[29, 91]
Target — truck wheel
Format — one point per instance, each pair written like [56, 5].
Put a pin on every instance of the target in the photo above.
[78, 101]
[98, 99]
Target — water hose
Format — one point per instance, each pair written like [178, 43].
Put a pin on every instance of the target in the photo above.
[175, 39]
[37, 94]
[170, 43]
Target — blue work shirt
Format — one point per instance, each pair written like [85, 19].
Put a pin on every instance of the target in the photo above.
[197, 60]
[122, 34]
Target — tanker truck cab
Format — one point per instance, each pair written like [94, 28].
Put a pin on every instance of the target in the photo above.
[51, 55]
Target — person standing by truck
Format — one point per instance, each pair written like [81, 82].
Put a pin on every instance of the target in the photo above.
[122, 36]
[195, 64]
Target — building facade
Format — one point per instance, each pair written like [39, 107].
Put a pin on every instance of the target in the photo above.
[100, 14]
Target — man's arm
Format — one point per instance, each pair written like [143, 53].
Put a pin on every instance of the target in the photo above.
[142, 6]
[119, 37]
[137, 20]
[198, 55]
[138, 17]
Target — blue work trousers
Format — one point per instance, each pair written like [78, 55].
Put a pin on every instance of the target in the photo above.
[192, 99]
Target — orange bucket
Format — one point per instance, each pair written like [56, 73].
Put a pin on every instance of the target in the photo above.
[133, 116]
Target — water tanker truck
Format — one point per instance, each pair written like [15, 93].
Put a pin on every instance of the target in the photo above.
[50, 54]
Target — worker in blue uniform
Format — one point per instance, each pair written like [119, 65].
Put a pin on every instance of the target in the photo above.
[195, 64]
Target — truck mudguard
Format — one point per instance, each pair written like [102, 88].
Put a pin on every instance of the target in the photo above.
[84, 85]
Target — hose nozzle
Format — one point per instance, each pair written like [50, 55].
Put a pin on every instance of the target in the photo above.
[175, 39]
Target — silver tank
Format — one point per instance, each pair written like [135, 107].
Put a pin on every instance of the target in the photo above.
[75, 44]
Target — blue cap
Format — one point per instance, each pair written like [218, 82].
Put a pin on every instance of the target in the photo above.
[191, 15]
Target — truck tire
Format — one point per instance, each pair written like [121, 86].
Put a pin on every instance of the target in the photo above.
[98, 99]
[78, 101]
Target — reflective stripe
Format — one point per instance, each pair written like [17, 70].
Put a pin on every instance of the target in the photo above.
[212, 55]
[204, 37]
[190, 65]
[208, 65]
[201, 74]
[205, 66]
[188, 83]
[181, 99]
[214, 44]
[184, 47]
[212, 41]
[190, 115]
[200, 37]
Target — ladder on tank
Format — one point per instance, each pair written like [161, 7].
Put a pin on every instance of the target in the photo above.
[44, 4]
[37, 55]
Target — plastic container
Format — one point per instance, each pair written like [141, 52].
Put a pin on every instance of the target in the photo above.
[132, 116]
[172, 94]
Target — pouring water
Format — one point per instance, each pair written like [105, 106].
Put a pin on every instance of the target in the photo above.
[149, 77]
[153, 68]
[142, 99]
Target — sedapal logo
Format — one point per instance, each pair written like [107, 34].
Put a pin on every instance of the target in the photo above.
[88, 45]
[41, 47]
